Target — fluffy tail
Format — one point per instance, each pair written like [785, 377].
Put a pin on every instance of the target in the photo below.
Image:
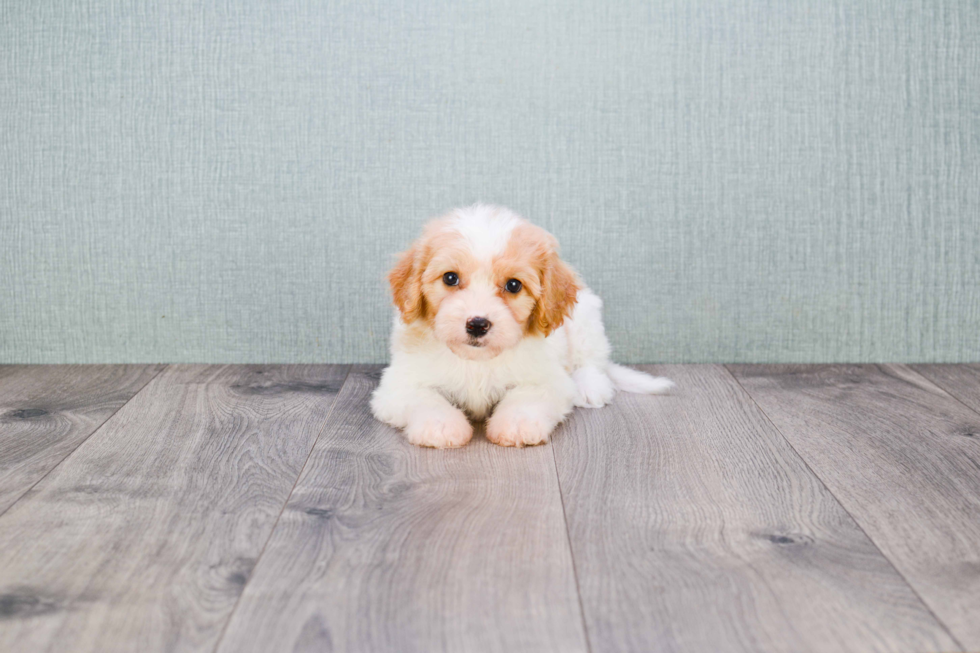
[630, 380]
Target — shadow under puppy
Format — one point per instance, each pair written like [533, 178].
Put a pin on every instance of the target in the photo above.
[490, 321]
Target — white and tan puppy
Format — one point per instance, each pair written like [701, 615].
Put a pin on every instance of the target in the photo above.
[490, 321]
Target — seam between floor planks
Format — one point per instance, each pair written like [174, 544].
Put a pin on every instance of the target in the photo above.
[275, 525]
[942, 385]
[847, 510]
[571, 551]
[899, 435]
[83, 441]
[389, 546]
[166, 510]
[27, 490]
[677, 507]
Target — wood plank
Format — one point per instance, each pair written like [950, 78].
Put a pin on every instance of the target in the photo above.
[46, 411]
[695, 527]
[901, 455]
[385, 546]
[144, 538]
[960, 381]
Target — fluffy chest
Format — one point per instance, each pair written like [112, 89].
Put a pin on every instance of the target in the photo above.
[477, 386]
[473, 385]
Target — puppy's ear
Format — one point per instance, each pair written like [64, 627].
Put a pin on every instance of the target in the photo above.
[406, 284]
[559, 289]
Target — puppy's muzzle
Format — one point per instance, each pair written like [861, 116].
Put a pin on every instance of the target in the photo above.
[478, 326]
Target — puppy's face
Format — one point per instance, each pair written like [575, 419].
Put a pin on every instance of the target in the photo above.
[482, 279]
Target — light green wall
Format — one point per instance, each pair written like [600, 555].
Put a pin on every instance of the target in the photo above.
[741, 180]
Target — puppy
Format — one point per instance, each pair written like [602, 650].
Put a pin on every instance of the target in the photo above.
[490, 321]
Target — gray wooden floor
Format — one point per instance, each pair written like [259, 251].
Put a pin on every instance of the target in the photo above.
[261, 508]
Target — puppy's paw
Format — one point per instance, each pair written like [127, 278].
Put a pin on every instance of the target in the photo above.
[442, 429]
[594, 389]
[516, 427]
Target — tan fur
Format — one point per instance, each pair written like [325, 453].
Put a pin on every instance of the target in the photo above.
[560, 288]
[406, 284]
[547, 278]
[416, 279]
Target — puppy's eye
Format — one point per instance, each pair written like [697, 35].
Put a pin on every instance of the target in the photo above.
[450, 279]
[513, 286]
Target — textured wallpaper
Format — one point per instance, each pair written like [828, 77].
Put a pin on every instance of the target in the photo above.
[741, 180]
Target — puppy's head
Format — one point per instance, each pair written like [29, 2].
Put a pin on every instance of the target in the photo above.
[483, 278]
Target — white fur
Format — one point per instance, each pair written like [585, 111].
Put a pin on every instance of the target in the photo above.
[629, 380]
[526, 384]
[486, 228]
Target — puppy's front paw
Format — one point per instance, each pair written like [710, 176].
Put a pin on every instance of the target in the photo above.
[441, 429]
[518, 428]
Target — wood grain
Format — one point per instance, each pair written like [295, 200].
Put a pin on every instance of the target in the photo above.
[960, 381]
[389, 547]
[46, 411]
[903, 457]
[695, 527]
[144, 538]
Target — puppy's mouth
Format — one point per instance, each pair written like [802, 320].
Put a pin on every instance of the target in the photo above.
[474, 350]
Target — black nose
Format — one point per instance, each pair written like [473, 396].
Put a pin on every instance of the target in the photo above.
[477, 326]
